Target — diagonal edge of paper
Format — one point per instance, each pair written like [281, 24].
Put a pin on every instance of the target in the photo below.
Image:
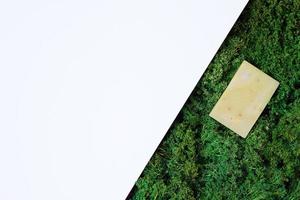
[89, 89]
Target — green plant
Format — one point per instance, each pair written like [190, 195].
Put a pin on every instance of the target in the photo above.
[200, 158]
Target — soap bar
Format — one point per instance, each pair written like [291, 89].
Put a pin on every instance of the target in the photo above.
[244, 99]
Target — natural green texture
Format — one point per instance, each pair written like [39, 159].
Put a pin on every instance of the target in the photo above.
[200, 158]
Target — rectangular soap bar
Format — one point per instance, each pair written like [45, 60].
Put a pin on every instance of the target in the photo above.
[244, 99]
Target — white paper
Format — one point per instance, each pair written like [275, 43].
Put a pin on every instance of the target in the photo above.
[89, 88]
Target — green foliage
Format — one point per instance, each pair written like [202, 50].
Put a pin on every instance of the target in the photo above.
[201, 159]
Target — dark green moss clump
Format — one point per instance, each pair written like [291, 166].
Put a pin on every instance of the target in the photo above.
[201, 159]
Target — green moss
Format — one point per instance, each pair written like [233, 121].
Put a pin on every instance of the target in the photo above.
[201, 159]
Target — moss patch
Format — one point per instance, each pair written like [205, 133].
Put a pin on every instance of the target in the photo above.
[201, 159]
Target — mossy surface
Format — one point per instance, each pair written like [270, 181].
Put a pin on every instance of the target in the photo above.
[201, 159]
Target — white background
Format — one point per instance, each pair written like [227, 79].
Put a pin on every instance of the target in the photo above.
[89, 88]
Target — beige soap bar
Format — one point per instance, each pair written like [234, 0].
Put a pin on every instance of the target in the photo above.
[244, 99]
